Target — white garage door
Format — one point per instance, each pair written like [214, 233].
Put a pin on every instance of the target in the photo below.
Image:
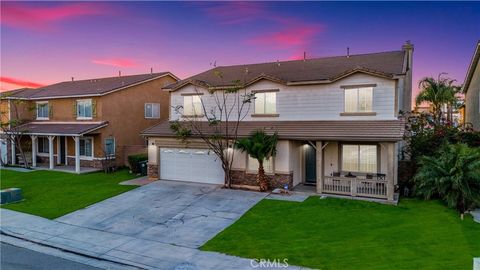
[192, 165]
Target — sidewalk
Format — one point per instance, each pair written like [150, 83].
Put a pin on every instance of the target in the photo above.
[141, 253]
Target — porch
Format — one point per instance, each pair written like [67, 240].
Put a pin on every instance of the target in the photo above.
[66, 168]
[348, 168]
[52, 143]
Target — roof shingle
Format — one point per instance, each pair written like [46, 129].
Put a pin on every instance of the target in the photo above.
[318, 69]
[340, 130]
[90, 87]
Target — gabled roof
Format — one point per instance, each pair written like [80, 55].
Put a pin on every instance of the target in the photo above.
[318, 70]
[338, 130]
[90, 87]
[472, 67]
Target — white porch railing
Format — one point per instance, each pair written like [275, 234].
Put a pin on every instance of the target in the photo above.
[353, 186]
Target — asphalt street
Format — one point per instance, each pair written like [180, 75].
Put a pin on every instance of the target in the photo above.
[16, 258]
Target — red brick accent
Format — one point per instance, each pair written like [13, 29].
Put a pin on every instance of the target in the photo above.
[250, 179]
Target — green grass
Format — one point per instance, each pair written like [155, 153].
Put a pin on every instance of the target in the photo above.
[346, 234]
[53, 194]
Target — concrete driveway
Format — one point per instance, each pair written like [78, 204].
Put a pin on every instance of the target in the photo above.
[178, 213]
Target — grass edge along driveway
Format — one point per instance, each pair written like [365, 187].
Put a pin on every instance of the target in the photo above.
[52, 194]
[347, 234]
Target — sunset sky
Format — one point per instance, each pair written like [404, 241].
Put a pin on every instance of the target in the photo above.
[48, 42]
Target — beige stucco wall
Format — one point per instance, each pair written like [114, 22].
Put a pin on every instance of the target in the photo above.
[472, 100]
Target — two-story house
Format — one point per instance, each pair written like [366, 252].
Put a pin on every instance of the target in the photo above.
[79, 123]
[471, 88]
[337, 119]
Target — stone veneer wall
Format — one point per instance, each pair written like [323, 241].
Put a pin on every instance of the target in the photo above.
[86, 163]
[275, 180]
[152, 171]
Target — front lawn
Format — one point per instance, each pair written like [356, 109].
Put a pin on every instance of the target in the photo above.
[53, 194]
[347, 234]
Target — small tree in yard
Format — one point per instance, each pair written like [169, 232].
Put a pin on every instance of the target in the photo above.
[215, 119]
[10, 127]
[261, 147]
[452, 175]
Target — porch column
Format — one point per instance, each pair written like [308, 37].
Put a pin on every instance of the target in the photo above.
[320, 173]
[66, 150]
[58, 151]
[34, 150]
[77, 153]
[12, 149]
[390, 148]
[50, 152]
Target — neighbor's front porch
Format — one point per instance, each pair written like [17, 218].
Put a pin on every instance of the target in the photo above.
[67, 147]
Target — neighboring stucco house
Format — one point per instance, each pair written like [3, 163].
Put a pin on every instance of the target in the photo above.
[471, 88]
[82, 122]
[334, 116]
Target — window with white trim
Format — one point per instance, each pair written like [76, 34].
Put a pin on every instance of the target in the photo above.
[359, 158]
[84, 109]
[253, 165]
[152, 110]
[266, 103]
[110, 146]
[359, 99]
[42, 145]
[86, 147]
[192, 105]
[42, 110]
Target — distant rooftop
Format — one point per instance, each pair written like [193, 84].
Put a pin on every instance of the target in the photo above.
[89, 87]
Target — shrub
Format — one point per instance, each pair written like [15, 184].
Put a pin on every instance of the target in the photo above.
[453, 175]
[133, 161]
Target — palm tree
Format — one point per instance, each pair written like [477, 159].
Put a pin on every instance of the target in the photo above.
[453, 176]
[439, 93]
[261, 147]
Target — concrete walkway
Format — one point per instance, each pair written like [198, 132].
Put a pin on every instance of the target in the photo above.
[131, 251]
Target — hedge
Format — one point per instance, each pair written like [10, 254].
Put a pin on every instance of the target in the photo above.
[133, 161]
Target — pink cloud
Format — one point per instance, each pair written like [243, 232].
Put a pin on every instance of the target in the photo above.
[42, 18]
[292, 36]
[19, 82]
[117, 62]
[235, 12]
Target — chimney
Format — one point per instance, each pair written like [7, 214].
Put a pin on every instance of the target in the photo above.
[151, 70]
[348, 52]
[304, 56]
[408, 68]
[72, 79]
[119, 73]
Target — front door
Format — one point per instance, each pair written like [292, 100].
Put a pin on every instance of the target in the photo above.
[62, 150]
[310, 165]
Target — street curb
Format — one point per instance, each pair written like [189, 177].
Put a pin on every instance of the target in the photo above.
[2, 232]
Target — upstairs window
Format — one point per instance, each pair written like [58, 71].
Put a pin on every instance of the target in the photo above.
[359, 158]
[42, 110]
[266, 103]
[192, 105]
[84, 109]
[152, 110]
[358, 99]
